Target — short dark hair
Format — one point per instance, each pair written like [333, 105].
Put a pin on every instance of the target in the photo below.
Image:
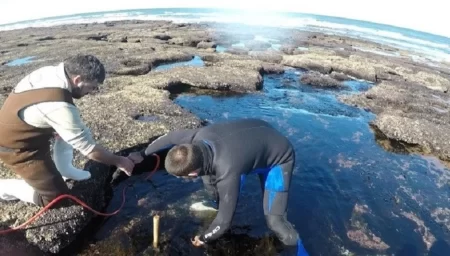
[88, 67]
[183, 159]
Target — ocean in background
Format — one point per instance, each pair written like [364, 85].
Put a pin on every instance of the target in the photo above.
[426, 46]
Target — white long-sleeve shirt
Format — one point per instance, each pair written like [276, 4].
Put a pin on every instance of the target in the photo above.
[63, 117]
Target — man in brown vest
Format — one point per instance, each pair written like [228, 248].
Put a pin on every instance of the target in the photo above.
[40, 106]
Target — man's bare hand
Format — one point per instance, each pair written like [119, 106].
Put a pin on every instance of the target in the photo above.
[196, 242]
[126, 165]
[135, 157]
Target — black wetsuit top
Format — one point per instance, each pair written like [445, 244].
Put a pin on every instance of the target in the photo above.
[231, 149]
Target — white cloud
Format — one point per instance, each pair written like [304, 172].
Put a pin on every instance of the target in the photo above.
[429, 16]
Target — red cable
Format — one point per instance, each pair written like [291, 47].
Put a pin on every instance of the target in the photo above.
[54, 201]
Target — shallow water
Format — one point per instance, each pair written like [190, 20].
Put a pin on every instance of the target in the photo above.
[348, 196]
[21, 61]
[195, 62]
[340, 169]
[220, 48]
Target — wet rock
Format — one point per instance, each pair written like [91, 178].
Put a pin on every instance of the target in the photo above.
[433, 81]
[371, 69]
[142, 64]
[206, 45]
[343, 53]
[270, 68]
[237, 50]
[367, 240]
[222, 57]
[47, 38]
[317, 79]
[225, 41]
[100, 37]
[339, 76]
[442, 216]
[267, 56]
[119, 39]
[6, 90]
[428, 238]
[425, 135]
[109, 24]
[360, 233]
[325, 64]
[257, 65]
[177, 41]
[223, 78]
[298, 52]
[411, 113]
[288, 49]
[162, 37]
[169, 57]
[255, 45]
[192, 42]
[133, 70]
[210, 50]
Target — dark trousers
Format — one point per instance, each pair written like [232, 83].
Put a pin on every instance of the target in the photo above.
[39, 171]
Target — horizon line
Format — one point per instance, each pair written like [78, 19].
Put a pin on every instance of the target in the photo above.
[222, 8]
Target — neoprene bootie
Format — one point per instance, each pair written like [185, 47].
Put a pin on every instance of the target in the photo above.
[296, 250]
[16, 189]
[63, 157]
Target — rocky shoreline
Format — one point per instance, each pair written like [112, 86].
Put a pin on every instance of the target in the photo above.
[410, 99]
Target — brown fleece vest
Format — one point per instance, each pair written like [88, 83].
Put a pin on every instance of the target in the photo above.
[26, 149]
[16, 134]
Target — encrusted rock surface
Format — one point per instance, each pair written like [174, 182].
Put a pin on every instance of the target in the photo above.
[410, 113]
[317, 79]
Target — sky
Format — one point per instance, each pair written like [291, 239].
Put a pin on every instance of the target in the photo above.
[428, 16]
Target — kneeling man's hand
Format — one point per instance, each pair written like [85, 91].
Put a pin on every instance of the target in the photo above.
[135, 157]
[125, 165]
[197, 242]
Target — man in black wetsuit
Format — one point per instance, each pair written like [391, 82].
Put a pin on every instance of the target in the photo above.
[223, 154]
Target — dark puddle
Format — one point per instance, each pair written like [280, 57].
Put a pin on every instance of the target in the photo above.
[146, 118]
[186, 89]
[220, 48]
[349, 196]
